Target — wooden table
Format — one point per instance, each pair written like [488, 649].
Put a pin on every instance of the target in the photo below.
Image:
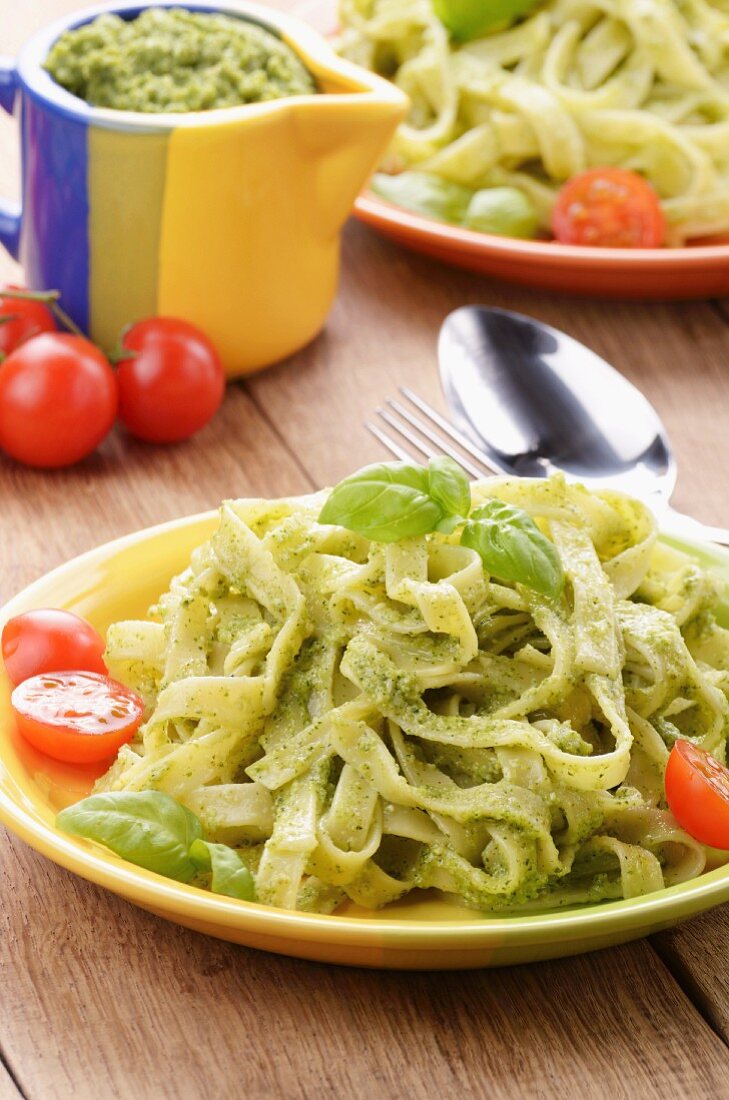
[99, 999]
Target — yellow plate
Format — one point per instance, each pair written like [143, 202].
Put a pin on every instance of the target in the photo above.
[120, 580]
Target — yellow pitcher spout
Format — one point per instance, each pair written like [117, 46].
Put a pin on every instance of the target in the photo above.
[342, 136]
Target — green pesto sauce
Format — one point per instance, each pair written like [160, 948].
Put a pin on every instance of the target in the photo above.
[168, 59]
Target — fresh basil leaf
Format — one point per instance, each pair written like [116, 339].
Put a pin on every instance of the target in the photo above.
[424, 193]
[449, 486]
[146, 827]
[468, 19]
[504, 212]
[513, 548]
[230, 875]
[385, 502]
[390, 501]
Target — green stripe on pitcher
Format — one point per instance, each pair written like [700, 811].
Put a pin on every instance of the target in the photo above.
[126, 181]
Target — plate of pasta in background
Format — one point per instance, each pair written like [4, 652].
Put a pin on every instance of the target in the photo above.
[409, 722]
[574, 145]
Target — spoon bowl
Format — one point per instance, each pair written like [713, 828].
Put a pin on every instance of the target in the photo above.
[534, 401]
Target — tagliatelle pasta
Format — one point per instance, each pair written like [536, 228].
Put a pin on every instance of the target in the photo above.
[361, 720]
[639, 84]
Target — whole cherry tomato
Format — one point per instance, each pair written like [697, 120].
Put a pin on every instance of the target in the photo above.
[173, 382]
[609, 208]
[58, 399]
[50, 640]
[22, 318]
[697, 791]
[79, 717]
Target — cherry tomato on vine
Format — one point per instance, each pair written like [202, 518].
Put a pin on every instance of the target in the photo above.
[609, 208]
[172, 384]
[79, 717]
[697, 791]
[22, 318]
[50, 640]
[58, 399]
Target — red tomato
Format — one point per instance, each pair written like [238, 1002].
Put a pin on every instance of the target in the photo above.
[174, 383]
[58, 399]
[609, 208]
[50, 641]
[78, 717]
[21, 318]
[697, 791]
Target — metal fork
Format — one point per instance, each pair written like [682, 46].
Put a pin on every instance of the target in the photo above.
[427, 439]
[430, 434]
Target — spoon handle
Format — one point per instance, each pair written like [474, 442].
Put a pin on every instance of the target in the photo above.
[676, 523]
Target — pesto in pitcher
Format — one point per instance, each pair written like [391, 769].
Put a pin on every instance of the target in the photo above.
[170, 59]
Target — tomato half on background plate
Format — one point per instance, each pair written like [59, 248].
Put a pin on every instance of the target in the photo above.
[77, 717]
[611, 208]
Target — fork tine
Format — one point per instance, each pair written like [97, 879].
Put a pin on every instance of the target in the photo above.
[390, 444]
[415, 443]
[424, 451]
[434, 437]
[448, 429]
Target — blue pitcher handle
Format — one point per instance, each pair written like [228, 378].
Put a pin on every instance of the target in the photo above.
[9, 211]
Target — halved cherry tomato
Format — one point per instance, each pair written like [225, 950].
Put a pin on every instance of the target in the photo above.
[172, 383]
[697, 791]
[21, 318]
[50, 640]
[78, 717]
[609, 208]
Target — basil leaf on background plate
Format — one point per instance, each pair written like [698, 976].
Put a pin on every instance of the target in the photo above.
[513, 548]
[424, 193]
[469, 19]
[148, 828]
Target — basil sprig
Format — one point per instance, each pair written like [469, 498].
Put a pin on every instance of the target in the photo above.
[152, 830]
[513, 548]
[389, 501]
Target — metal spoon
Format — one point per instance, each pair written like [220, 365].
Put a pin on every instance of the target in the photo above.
[535, 400]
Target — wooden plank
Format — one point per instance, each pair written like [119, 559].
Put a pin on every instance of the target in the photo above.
[102, 1000]
[695, 953]
[8, 1089]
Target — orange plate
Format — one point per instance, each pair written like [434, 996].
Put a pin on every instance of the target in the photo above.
[697, 271]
